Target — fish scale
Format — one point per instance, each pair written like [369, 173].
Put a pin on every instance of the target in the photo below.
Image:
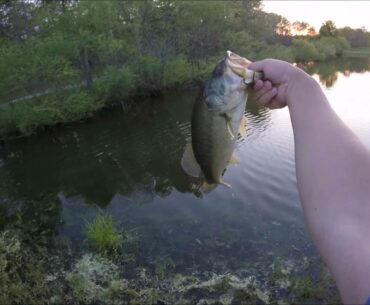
[212, 143]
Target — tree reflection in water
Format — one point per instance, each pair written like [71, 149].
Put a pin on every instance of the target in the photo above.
[328, 71]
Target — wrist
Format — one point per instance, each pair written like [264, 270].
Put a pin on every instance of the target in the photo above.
[300, 87]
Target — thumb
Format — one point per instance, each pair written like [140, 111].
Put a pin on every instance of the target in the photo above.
[257, 65]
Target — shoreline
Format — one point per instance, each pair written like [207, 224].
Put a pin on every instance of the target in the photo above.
[53, 111]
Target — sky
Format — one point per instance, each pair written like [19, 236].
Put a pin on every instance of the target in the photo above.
[355, 14]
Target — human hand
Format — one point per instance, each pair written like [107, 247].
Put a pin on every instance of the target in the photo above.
[281, 80]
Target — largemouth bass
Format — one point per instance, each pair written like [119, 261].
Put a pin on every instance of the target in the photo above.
[217, 118]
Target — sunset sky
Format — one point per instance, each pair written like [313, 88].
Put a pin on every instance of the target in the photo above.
[352, 13]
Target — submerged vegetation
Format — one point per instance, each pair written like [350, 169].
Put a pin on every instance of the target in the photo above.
[61, 61]
[42, 276]
[38, 268]
[103, 233]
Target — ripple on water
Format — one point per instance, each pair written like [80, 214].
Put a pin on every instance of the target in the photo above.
[266, 175]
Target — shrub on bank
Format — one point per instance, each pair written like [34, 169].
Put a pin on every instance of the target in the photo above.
[176, 71]
[304, 51]
[278, 52]
[114, 84]
[149, 70]
[24, 118]
[340, 44]
[243, 43]
[326, 50]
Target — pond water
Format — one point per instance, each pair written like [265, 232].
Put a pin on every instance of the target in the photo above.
[128, 165]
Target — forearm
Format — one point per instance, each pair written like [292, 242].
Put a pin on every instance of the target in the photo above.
[333, 175]
[331, 161]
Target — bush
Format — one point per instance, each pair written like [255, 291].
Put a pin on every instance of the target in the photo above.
[77, 106]
[22, 274]
[242, 43]
[24, 118]
[34, 67]
[149, 70]
[278, 52]
[304, 50]
[6, 122]
[326, 50]
[330, 47]
[176, 70]
[114, 84]
[341, 45]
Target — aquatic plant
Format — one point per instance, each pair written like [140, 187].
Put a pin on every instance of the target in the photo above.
[103, 234]
[305, 288]
[319, 288]
[96, 279]
[23, 277]
[90, 278]
[223, 285]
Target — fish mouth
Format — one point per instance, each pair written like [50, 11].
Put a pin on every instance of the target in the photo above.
[237, 60]
[239, 65]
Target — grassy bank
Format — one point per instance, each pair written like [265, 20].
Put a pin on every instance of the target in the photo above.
[358, 52]
[113, 88]
[145, 75]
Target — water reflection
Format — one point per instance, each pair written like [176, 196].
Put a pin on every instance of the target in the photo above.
[328, 71]
[113, 155]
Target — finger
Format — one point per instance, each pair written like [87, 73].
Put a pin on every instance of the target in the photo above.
[267, 97]
[275, 103]
[266, 87]
[258, 85]
[278, 101]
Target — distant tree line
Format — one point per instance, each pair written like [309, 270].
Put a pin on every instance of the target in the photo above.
[71, 58]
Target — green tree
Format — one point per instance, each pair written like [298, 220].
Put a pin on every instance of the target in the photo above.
[300, 27]
[355, 37]
[15, 19]
[305, 51]
[311, 31]
[284, 27]
[328, 28]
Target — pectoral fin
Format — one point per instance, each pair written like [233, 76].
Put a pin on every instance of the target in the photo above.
[228, 125]
[243, 123]
[233, 159]
[189, 163]
[226, 184]
[230, 130]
